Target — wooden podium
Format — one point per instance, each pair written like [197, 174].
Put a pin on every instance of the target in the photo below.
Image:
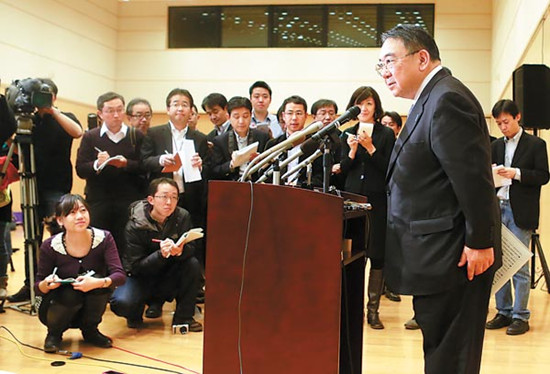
[274, 281]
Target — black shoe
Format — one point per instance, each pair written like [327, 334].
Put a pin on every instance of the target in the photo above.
[517, 327]
[411, 324]
[498, 322]
[373, 320]
[24, 294]
[52, 343]
[134, 324]
[96, 338]
[154, 310]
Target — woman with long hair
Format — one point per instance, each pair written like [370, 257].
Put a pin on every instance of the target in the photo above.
[366, 150]
[77, 270]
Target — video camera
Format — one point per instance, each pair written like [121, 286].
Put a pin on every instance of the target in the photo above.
[25, 95]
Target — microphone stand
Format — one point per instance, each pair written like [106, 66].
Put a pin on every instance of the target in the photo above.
[328, 162]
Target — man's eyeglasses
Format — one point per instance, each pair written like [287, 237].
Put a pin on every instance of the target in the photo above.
[141, 115]
[297, 114]
[389, 63]
[166, 198]
[112, 111]
[180, 105]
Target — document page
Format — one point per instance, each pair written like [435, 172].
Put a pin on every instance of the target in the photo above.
[190, 173]
[514, 255]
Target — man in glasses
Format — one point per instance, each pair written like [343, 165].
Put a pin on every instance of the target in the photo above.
[139, 114]
[109, 160]
[443, 227]
[295, 116]
[158, 270]
[163, 142]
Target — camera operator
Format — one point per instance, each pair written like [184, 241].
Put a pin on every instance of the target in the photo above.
[52, 137]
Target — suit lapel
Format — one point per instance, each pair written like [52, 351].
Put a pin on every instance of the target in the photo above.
[167, 138]
[520, 149]
[412, 121]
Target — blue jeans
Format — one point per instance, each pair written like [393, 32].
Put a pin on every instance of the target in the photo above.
[516, 308]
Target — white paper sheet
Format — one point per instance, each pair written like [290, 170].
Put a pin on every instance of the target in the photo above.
[514, 255]
[499, 179]
[190, 173]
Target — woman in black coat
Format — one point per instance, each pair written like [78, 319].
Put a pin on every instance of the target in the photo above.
[366, 150]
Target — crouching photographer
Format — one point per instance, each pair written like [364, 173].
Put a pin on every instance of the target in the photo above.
[51, 136]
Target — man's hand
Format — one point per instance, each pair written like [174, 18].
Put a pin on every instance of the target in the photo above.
[478, 260]
[509, 173]
[196, 161]
[102, 157]
[119, 163]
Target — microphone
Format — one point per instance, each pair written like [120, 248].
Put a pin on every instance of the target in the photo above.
[282, 165]
[305, 162]
[350, 114]
[268, 155]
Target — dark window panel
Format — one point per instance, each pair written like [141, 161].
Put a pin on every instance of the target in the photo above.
[298, 26]
[413, 14]
[291, 26]
[194, 27]
[245, 26]
[352, 26]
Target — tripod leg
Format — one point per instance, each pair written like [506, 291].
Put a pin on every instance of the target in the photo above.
[543, 262]
[533, 259]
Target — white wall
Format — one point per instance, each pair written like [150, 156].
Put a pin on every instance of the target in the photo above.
[521, 35]
[515, 24]
[92, 46]
[147, 68]
[74, 42]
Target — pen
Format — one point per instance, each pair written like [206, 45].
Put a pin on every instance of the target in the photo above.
[158, 241]
[54, 270]
[166, 152]
[97, 149]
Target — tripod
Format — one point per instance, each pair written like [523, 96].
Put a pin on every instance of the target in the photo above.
[536, 247]
[29, 201]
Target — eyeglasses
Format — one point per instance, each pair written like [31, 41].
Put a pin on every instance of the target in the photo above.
[389, 63]
[297, 114]
[112, 111]
[141, 115]
[166, 198]
[180, 105]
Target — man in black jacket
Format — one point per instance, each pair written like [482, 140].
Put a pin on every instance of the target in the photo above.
[525, 162]
[157, 269]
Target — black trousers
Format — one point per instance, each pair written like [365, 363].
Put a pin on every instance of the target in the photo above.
[111, 215]
[453, 326]
[178, 281]
[65, 307]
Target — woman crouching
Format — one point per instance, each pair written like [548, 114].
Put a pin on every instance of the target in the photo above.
[77, 272]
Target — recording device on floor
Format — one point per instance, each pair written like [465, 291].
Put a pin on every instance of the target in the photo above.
[182, 329]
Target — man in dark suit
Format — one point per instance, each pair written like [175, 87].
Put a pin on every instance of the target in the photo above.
[215, 107]
[443, 232]
[525, 162]
[295, 116]
[223, 165]
[163, 142]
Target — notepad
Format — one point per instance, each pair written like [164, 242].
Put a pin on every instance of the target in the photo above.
[243, 155]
